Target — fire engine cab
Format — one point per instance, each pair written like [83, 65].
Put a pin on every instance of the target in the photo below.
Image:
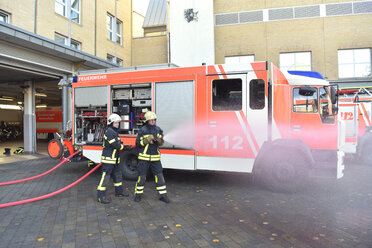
[234, 118]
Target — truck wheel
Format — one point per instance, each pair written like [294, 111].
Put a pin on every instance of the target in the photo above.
[285, 173]
[128, 165]
[367, 153]
[55, 149]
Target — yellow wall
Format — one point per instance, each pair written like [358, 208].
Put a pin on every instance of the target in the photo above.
[150, 50]
[91, 31]
[137, 24]
[266, 40]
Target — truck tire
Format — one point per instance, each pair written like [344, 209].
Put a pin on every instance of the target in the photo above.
[128, 165]
[367, 153]
[55, 149]
[285, 172]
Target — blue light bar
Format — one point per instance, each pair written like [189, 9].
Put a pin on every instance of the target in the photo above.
[312, 74]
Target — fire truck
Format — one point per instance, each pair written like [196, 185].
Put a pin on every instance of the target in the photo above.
[250, 118]
[48, 122]
[355, 109]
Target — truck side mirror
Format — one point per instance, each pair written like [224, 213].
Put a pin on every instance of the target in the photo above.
[333, 95]
[306, 91]
[334, 110]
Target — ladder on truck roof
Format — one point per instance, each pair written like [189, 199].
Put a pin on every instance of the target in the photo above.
[127, 69]
[356, 93]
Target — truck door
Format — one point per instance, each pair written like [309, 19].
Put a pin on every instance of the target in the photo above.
[311, 118]
[227, 126]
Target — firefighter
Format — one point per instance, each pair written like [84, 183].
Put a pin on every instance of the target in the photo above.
[149, 138]
[110, 160]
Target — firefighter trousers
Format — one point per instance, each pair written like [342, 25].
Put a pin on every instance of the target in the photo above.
[110, 170]
[157, 170]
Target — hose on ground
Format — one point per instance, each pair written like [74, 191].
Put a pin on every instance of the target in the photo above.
[50, 194]
[43, 174]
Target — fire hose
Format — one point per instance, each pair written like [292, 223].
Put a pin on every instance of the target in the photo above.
[50, 194]
[43, 174]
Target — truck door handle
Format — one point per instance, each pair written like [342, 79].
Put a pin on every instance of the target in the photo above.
[297, 127]
[212, 123]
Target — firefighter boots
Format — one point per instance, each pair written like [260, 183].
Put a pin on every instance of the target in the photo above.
[7, 151]
[103, 200]
[164, 199]
[101, 197]
[138, 198]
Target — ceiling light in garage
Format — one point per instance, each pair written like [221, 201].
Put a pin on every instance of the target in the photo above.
[5, 106]
[40, 94]
[41, 106]
[6, 99]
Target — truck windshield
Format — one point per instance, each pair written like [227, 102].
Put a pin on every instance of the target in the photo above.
[326, 112]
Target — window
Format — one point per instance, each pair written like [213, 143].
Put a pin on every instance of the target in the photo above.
[326, 107]
[295, 61]
[61, 8]
[4, 17]
[111, 59]
[63, 40]
[354, 63]
[305, 103]
[257, 94]
[239, 59]
[110, 29]
[227, 94]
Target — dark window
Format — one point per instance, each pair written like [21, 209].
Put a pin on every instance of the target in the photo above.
[257, 94]
[227, 94]
[326, 108]
[305, 103]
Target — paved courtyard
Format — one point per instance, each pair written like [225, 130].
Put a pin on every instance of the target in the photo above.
[208, 209]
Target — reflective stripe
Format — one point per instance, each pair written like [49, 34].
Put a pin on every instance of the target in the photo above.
[100, 182]
[139, 178]
[149, 159]
[111, 141]
[140, 187]
[161, 187]
[101, 188]
[139, 192]
[108, 161]
[118, 184]
[113, 154]
[156, 179]
[121, 147]
[146, 148]
[162, 192]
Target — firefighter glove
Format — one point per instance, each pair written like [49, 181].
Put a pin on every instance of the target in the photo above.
[149, 139]
[160, 141]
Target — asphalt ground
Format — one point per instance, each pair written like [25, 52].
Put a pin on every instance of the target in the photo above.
[207, 209]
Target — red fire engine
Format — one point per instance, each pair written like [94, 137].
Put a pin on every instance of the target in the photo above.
[216, 117]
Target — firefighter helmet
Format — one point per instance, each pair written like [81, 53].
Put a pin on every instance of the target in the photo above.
[113, 118]
[150, 116]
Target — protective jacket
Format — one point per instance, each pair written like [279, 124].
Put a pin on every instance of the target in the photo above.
[149, 152]
[111, 146]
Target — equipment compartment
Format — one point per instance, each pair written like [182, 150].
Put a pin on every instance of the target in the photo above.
[90, 125]
[131, 102]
